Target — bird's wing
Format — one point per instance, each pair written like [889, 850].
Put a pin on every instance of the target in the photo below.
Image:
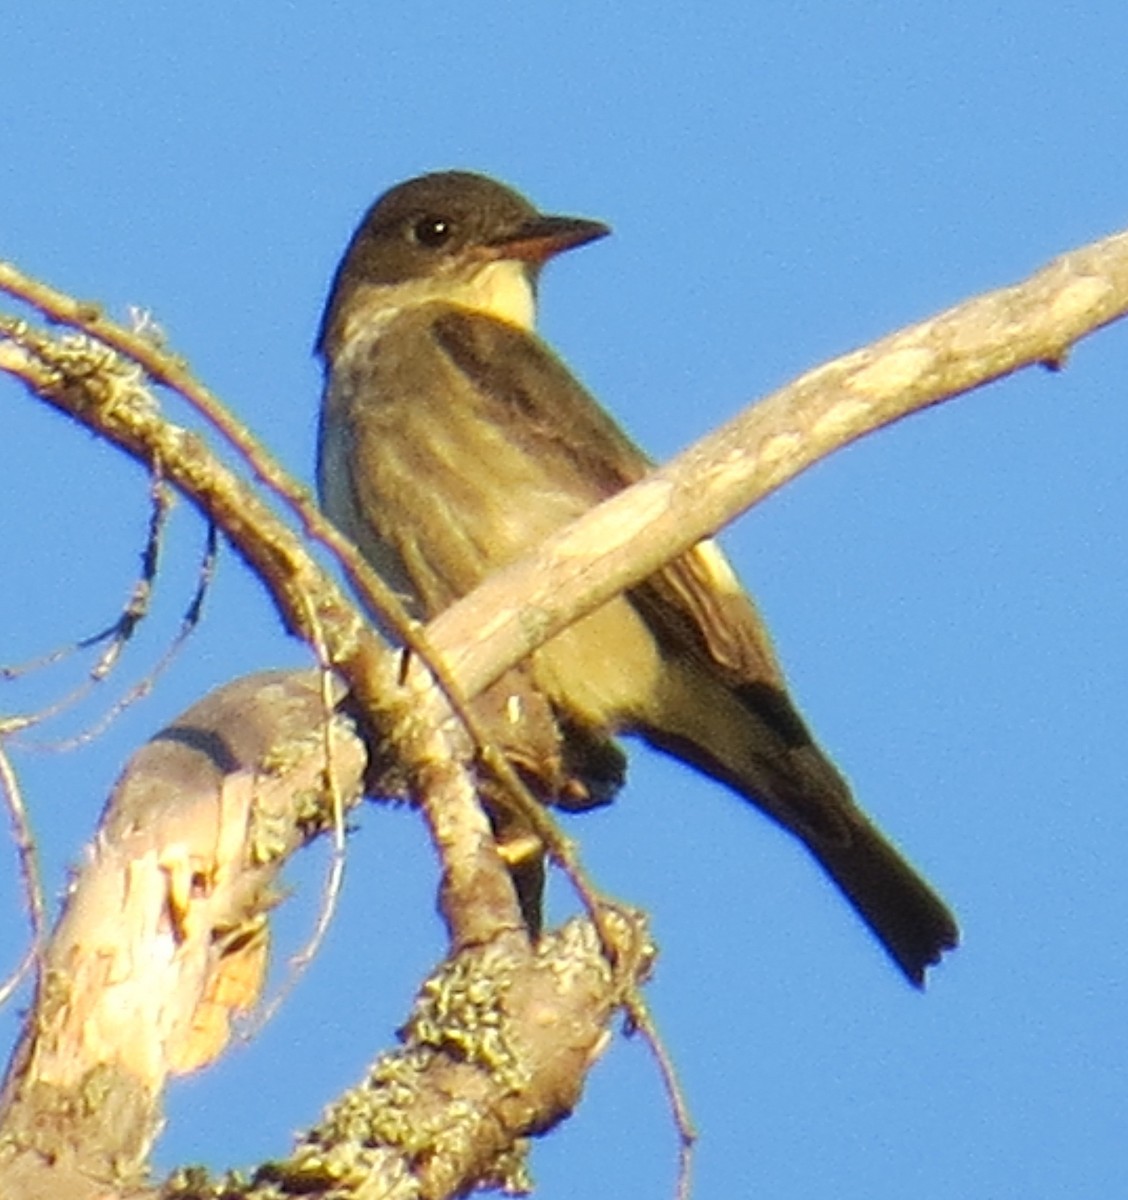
[694, 600]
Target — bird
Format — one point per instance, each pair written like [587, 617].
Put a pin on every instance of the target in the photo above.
[452, 440]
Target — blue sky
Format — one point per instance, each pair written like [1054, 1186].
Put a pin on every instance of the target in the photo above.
[786, 182]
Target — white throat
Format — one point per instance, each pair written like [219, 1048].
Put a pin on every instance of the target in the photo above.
[500, 289]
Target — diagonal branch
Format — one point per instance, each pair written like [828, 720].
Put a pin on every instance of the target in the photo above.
[628, 537]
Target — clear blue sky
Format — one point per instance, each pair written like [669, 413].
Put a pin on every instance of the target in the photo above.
[786, 181]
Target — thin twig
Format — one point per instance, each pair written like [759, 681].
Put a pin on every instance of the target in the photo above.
[334, 881]
[205, 576]
[118, 633]
[30, 871]
[641, 1019]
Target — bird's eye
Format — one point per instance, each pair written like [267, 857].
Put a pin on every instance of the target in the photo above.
[431, 231]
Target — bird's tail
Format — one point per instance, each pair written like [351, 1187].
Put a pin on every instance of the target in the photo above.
[752, 739]
[908, 917]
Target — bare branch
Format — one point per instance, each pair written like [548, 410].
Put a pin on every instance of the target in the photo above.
[631, 535]
[30, 873]
[164, 936]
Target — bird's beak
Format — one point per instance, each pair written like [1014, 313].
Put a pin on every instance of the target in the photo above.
[540, 238]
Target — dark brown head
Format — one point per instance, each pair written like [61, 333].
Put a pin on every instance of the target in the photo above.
[435, 237]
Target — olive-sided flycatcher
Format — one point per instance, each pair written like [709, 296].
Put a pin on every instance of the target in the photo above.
[453, 440]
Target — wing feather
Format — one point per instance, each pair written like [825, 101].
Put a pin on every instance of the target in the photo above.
[696, 600]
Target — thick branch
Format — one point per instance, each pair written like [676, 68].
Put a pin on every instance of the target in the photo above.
[631, 535]
[164, 940]
[164, 937]
[497, 1049]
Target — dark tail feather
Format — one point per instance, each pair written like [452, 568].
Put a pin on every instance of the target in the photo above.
[909, 919]
[761, 748]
